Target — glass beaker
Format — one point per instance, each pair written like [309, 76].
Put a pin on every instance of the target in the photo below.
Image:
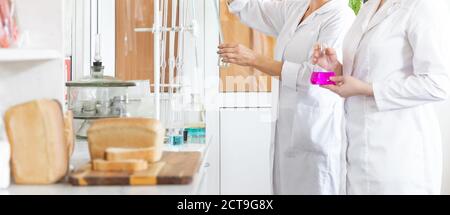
[320, 76]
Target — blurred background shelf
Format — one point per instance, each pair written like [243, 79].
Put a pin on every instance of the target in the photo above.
[38, 70]
[17, 55]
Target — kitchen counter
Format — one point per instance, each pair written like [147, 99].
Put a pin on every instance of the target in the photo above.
[81, 157]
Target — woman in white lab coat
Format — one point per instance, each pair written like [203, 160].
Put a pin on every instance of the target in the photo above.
[308, 140]
[395, 66]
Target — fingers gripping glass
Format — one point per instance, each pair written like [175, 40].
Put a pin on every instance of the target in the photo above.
[319, 75]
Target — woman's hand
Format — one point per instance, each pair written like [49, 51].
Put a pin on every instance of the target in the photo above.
[238, 54]
[348, 86]
[243, 56]
[327, 59]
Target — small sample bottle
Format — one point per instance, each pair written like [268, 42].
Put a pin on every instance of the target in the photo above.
[196, 135]
[176, 137]
[97, 68]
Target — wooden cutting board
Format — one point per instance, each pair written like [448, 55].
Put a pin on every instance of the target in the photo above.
[174, 168]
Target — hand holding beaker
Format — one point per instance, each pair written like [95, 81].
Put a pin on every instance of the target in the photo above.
[238, 54]
[327, 59]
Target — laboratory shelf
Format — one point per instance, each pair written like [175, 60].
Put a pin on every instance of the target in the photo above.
[18, 55]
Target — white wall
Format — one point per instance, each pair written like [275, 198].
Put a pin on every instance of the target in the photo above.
[103, 21]
[86, 23]
[444, 116]
[69, 15]
[81, 39]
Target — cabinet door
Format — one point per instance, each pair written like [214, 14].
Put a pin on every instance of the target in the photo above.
[134, 51]
[245, 151]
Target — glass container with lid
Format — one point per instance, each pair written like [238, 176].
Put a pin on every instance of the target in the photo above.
[98, 96]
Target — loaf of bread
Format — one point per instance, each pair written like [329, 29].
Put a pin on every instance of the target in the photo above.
[131, 133]
[39, 147]
[68, 132]
[150, 155]
[119, 166]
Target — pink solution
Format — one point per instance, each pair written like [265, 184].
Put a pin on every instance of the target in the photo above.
[322, 78]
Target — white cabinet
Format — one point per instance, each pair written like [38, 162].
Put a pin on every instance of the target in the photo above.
[245, 141]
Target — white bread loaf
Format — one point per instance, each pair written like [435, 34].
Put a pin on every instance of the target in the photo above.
[39, 147]
[119, 166]
[131, 133]
[150, 155]
[68, 132]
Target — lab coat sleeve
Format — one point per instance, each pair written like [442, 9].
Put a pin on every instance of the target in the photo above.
[266, 16]
[331, 34]
[429, 81]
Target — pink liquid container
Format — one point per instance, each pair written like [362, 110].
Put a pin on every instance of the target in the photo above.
[322, 78]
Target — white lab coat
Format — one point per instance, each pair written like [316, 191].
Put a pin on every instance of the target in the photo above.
[309, 129]
[394, 137]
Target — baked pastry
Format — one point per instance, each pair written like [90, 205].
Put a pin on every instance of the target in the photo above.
[39, 147]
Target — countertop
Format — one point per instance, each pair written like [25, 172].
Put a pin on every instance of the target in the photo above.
[81, 157]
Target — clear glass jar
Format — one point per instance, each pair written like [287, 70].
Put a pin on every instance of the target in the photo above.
[98, 102]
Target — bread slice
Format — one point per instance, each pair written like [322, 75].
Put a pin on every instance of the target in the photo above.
[39, 149]
[119, 166]
[128, 133]
[151, 155]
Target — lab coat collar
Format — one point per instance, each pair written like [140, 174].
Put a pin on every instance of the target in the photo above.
[367, 13]
[369, 18]
[389, 8]
[329, 6]
[358, 30]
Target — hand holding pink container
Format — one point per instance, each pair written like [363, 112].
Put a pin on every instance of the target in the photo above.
[321, 77]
